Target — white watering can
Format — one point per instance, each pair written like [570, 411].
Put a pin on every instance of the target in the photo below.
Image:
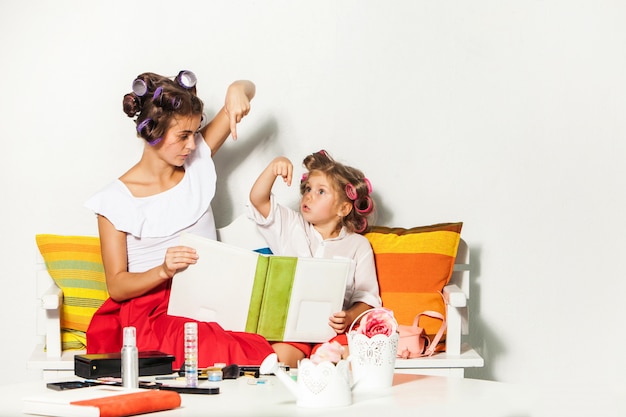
[319, 385]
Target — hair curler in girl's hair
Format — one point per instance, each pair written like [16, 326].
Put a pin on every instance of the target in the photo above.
[364, 205]
[369, 185]
[353, 195]
[351, 192]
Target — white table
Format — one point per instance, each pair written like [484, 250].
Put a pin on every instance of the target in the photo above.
[411, 395]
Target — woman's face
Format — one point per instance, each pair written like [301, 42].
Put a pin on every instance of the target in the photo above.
[179, 139]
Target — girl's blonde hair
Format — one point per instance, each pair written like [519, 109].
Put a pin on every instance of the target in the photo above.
[349, 183]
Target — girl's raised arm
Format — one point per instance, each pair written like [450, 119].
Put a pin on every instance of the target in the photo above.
[262, 188]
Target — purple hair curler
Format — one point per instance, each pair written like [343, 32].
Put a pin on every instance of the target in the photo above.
[186, 79]
[157, 93]
[141, 126]
[140, 88]
[155, 141]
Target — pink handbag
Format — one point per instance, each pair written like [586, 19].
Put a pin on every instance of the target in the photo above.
[413, 341]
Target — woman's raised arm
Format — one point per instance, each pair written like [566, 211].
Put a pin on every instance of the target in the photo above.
[236, 106]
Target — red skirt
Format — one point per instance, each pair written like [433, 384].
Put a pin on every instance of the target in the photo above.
[158, 331]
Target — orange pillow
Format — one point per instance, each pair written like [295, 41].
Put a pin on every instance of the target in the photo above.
[413, 265]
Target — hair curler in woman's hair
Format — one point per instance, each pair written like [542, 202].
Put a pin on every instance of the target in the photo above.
[140, 88]
[155, 141]
[146, 123]
[186, 79]
[145, 128]
[157, 97]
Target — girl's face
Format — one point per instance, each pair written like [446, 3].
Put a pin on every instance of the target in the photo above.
[320, 204]
[179, 139]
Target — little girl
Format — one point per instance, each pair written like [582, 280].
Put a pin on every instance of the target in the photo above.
[333, 213]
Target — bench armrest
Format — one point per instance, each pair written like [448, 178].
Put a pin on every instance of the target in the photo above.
[52, 298]
[454, 296]
[456, 316]
[51, 302]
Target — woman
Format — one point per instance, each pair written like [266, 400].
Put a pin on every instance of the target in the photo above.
[142, 214]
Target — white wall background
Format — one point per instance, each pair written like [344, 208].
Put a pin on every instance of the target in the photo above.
[507, 115]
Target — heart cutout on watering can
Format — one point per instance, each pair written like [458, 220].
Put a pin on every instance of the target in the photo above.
[317, 377]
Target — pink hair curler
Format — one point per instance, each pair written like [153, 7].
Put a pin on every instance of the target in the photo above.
[351, 192]
[368, 209]
[369, 185]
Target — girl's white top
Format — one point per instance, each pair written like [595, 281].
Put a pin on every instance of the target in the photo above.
[288, 234]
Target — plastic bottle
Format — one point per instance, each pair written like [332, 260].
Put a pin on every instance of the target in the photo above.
[130, 359]
[191, 354]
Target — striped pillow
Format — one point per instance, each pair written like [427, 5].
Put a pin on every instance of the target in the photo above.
[75, 265]
[413, 266]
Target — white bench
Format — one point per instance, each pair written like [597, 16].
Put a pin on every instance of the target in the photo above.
[242, 232]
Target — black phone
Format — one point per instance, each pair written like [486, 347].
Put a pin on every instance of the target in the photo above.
[189, 390]
[62, 386]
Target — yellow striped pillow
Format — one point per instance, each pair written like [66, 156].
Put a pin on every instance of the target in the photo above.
[75, 265]
[413, 265]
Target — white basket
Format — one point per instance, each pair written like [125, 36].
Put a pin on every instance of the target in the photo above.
[373, 360]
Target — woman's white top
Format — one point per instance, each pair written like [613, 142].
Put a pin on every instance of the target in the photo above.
[288, 234]
[154, 223]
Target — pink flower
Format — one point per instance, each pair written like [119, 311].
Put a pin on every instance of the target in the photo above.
[328, 352]
[378, 321]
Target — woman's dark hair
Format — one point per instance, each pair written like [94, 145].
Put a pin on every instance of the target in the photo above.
[162, 100]
[351, 186]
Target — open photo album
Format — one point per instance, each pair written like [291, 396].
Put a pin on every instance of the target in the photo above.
[279, 297]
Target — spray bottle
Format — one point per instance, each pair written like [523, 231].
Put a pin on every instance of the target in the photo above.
[130, 359]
